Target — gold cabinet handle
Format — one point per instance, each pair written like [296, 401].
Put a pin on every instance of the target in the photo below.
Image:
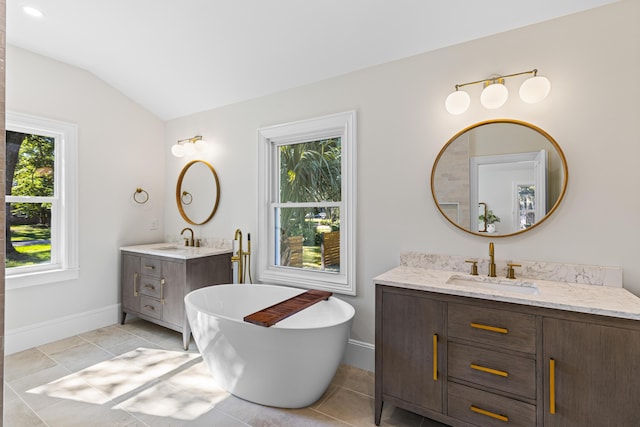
[149, 307]
[489, 328]
[150, 267]
[148, 286]
[552, 386]
[489, 370]
[135, 284]
[490, 414]
[162, 291]
[435, 357]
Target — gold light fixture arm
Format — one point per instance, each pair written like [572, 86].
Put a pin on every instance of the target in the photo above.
[192, 139]
[495, 79]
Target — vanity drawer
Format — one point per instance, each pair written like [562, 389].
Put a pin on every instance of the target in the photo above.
[151, 307]
[512, 374]
[150, 267]
[502, 328]
[486, 409]
[150, 286]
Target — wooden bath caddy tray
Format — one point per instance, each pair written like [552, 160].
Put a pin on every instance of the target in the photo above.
[271, 315]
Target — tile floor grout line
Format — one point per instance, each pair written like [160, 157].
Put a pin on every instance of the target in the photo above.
[48, 356]
[126, 396]
[156, 344]
[58, 362]
[136, 418]
[118, 355]
[232, 417]
[26, 404]
[357, 391]
[332, 417]
[121, 330]
[65, 349]
[326, 395]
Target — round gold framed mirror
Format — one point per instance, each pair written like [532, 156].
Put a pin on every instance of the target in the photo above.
[499, 178]
[198, 192]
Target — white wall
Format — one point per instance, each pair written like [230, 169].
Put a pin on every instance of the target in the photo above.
[120, 147]
[592, 60]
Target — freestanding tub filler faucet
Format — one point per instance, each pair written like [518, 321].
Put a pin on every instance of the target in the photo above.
[242, 259]
[492, 262]
[237, 258]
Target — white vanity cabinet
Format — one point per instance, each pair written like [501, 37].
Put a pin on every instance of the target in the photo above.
[153, 286]
[503, 363]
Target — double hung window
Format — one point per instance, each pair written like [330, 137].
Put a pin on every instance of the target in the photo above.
[40, 198]
[307, 203]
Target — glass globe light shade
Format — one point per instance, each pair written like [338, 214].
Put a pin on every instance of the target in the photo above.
[457, 102]
[494, 96]
[535, 89]
[177, 150]
[201, 146]
[189, 149]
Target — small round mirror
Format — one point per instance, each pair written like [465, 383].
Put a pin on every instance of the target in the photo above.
[197, 192]
[499, 178]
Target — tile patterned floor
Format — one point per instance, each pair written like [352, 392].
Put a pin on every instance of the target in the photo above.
[138, 375]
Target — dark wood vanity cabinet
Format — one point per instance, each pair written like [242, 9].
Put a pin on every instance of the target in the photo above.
[504, 364]
[153, 287]
[411, 345]
[591, 373]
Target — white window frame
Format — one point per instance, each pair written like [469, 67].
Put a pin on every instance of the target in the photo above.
[64, 225]
[270, 138]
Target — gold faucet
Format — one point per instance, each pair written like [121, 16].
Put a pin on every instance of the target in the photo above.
[247, 259]
[242, 258]
[238, 257]
[492, 262]
[188, 242]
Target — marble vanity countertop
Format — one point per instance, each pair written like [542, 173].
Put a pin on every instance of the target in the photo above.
[171, 250]
[601, 300]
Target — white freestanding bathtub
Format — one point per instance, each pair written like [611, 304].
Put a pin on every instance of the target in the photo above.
[287, 365]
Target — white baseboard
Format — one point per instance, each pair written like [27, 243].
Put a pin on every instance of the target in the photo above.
[26, 337]
[360, 354]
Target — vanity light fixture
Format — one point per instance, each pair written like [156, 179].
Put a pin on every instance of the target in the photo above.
[495, 93]
[190, 146]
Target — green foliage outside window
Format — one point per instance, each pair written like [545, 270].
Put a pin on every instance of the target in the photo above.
[30, 170]
[310, 172]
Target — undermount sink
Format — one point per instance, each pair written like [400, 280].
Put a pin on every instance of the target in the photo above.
[495, 284]
[170, 248]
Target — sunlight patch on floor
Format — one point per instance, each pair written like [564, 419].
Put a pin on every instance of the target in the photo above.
[145, 381]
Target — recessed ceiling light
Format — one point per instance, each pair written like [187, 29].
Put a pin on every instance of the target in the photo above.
[32, 11]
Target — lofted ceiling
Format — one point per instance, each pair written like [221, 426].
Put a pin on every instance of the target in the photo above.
[178, 57]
